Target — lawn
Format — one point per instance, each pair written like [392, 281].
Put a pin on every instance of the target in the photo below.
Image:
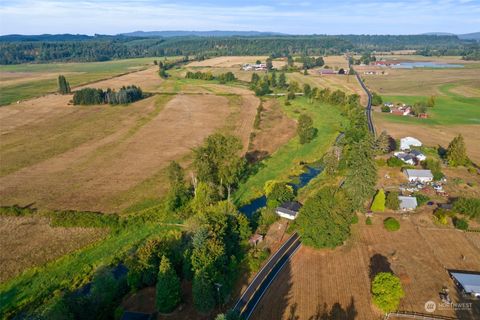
[287, 159]
[26, 81]
[72, 270]
[450, 108]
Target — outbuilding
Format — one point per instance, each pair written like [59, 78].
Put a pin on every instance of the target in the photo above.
[407, 142]
[467, 281]
[289, 210]
[407, 203]
[419, 155]
[418, 175]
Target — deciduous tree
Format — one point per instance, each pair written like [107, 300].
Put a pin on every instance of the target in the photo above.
[387, 291]
[457, 152]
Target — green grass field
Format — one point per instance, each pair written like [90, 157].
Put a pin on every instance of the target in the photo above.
[72, 270]
[286, 160]
[37, 84]
[450, 108]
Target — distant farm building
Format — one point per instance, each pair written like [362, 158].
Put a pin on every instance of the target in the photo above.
[407, 203]
[289, 210]
[418, 175]
[254, 67]
[327, 71]
[407, 142]
[467, 281]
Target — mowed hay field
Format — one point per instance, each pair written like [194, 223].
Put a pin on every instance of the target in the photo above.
[335, 284]
[25, 81]
[30, 241]
[456, 111]
[106, 158]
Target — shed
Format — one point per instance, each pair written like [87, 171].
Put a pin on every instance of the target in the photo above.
[289, 210]
[418, 175]
[405, 157]
[467, 281]
[407, 142]
[255, 239]
[407, 203]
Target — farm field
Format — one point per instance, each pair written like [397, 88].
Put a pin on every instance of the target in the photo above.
[30, 241]
[25, 81]
[335, 283]
[457, 100]
[121, 143]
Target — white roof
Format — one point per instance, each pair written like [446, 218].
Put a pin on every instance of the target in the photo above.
[406, 142]
[407, 202]
[414, 173]
[469, 281]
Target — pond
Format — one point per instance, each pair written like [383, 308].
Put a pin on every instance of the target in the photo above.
[297, 182]
[411, 65]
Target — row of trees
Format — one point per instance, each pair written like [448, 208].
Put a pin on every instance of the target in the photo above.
[223, 77]
[125, 95]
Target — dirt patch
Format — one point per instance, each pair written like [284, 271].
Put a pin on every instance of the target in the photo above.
[26, 242]
[319, 282]
[275, 129]
[432, 135]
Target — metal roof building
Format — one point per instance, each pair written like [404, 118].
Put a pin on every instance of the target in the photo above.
[289, 210]
[418, 175]
[469, 281]
[407, 203]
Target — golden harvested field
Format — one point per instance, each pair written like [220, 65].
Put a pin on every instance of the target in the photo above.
[336, 62]
[335, 284]
[26, 242]
[107, 158]
[234, 61]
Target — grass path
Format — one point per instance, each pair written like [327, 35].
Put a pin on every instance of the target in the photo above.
[286, 160]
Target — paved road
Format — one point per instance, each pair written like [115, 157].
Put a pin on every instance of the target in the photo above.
[368, 109]
[257, 288]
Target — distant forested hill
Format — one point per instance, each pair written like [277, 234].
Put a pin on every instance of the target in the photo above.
[45, 48]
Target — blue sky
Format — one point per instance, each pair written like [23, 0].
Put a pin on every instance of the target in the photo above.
[295, 17]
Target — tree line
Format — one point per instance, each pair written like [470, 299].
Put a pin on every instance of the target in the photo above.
[25, 49]
[222, 78]
[91, 96]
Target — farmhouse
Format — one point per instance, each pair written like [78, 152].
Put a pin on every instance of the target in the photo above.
[289, 210]
[256, 67]
[407, 142]
[405, 157]
[418, 175]
[467, 281]
[419, 155]
[407, 203]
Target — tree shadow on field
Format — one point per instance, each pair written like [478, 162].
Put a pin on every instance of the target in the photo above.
[379, 263]
[336, 312]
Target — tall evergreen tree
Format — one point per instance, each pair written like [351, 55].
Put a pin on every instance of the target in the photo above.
[282, 80]
[63, 85]
[168, 287]
[457, 152]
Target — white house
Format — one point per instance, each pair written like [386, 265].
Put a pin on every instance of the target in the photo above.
[289, 210]
[405, 157]
[419, 155]
[407, 203]
[407, 142]
[418, 175]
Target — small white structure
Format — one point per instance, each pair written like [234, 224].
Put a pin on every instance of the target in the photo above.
[289, 210]
[405, 157]
[407, 203]
[419, 155]
[418, 175]
[407, 142]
